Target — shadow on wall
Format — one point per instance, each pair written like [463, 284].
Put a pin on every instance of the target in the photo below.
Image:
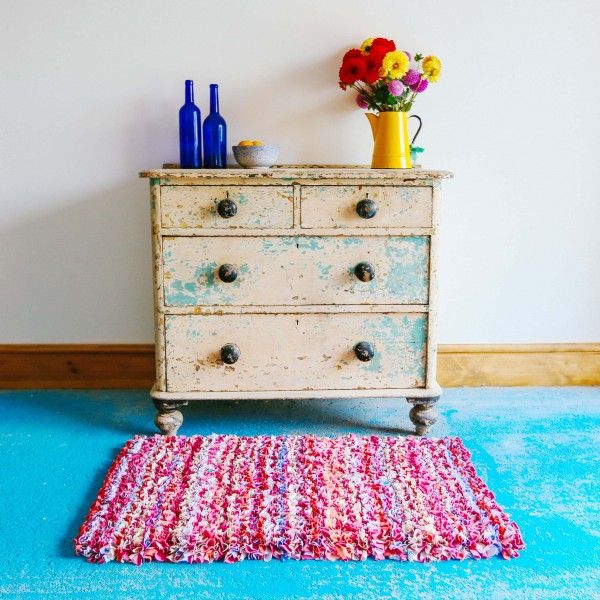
[86, 263]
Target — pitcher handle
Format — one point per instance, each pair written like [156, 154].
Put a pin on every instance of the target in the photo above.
[412, 143]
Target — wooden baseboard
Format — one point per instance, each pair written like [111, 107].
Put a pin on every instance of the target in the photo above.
[93, 366]
[110, 366]
[508, 365]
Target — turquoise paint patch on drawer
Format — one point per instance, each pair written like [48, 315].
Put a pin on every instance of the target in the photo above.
[296, 270]
[401, 264]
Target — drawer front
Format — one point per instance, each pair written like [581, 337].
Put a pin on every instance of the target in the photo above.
[336, 206]
[295, 352]
[295, 270]
[256, 207]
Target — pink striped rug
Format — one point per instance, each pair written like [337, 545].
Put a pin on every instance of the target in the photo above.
[223, 497]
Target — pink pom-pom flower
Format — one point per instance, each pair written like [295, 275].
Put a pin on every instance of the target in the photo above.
[395, 87]
[411, 78]
[361, 102]
[420, 86]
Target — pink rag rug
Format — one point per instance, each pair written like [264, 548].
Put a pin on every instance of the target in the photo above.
[224, 497]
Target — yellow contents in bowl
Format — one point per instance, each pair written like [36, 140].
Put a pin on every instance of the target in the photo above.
[246, 143]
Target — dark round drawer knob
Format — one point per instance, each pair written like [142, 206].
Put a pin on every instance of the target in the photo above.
[364, 351]
[364, 271]
[227, 208]
[230, 354]
[228, 273]
[366, 208]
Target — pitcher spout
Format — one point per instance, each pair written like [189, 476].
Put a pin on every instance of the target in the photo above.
[374, 123]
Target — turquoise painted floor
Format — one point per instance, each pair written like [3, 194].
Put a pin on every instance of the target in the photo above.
[538, 449]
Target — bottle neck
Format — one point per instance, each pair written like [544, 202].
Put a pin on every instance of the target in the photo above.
[214, 98]
[189, 91]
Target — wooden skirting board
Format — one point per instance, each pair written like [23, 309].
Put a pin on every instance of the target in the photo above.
[98, 366]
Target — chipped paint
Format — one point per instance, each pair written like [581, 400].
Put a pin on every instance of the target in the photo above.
[196, 206]
[289, 270]
[352, 241]
[291, 346]
[285, 281]
[298, 173]
[336, 206]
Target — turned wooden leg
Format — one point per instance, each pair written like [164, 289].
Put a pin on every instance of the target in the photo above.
[168, 418]
[423, 413]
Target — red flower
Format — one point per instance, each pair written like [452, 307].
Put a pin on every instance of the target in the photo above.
[379, 48]
[382, 46]
[354, 68]
[373, 62]
[354, 53]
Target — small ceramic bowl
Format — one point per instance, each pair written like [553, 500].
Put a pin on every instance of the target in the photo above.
[256, 157]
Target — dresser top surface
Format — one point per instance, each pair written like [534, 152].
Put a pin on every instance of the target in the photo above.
[310, 172]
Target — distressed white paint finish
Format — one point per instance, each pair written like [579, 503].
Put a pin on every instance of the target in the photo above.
[295, 352]
[258, 207]
[431, 391]
[296, 298]
[335, 206]
[157, 281]
[331, 231]
[295, 173]
[330, 309]
[296, 270]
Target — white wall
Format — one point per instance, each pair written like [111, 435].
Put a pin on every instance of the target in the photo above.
[89, 94]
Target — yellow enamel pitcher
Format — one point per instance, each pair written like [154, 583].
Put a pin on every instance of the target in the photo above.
[392, 145]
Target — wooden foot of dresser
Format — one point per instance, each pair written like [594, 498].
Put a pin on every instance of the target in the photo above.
[423, 413]
[168, 418]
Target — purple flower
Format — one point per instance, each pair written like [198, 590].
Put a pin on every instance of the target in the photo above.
[395, 87]
[411, 78]
[420, 86]
[362, 102]
[408, 54]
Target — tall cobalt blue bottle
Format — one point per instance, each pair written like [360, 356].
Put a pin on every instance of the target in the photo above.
[215, 134]
[190, 123]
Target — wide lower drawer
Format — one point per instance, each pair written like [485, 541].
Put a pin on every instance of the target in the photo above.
[227, 207]
[332, 206]
[295, 351]
[295, 270]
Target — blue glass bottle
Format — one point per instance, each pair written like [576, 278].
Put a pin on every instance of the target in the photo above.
[215, 134]
[190, 123]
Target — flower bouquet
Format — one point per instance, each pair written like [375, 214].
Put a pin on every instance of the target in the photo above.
[388, 81]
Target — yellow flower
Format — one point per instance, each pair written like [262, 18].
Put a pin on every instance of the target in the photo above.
[366, 45]
[432, 67]
[395, 65]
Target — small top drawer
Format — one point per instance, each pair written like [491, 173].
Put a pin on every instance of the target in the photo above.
[227, 207]
[332, 206]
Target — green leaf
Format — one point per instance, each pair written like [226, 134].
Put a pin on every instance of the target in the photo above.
[381, 95]
[418, 57]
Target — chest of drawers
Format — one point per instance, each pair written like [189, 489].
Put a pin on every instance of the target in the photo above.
[294, 282]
